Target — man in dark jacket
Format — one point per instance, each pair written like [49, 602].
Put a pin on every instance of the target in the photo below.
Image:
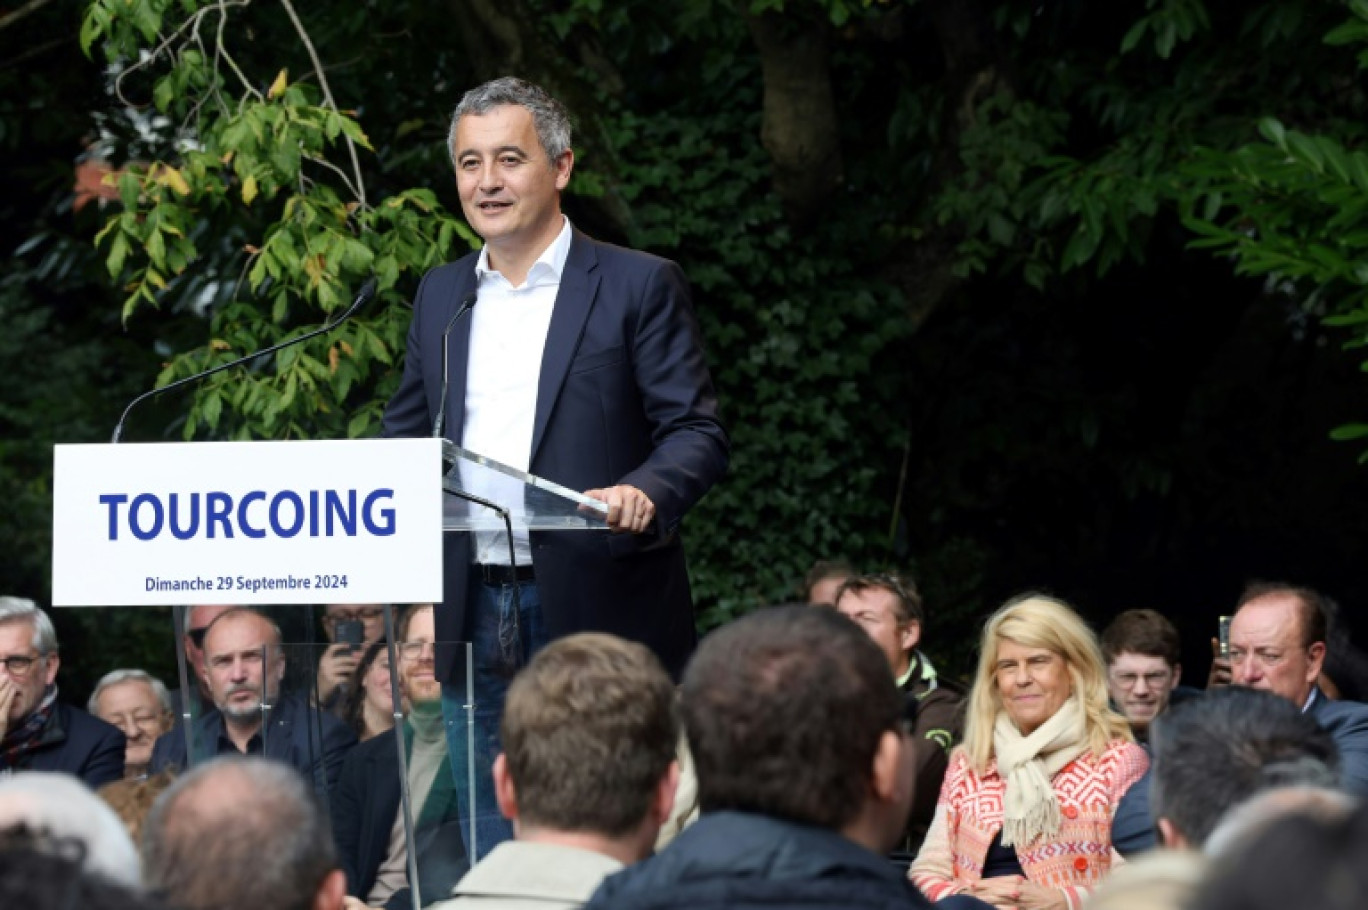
[244, 666]
[804, 774]
[890, 611]
[37, 733]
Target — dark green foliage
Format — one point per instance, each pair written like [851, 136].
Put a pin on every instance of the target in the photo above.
[993, 360]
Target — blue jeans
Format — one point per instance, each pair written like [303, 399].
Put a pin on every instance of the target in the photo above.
[498, 649]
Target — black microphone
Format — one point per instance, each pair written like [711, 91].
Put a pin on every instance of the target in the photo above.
[363, 297]
[467, 304]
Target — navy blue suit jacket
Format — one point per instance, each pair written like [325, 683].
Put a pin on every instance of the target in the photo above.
[80, 744]
[1347, 724]
[314, 743]
[624, 397]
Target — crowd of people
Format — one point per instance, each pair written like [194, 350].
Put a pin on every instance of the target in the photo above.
[811, 756]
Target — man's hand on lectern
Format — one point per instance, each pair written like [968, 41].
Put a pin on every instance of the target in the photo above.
[629, 509]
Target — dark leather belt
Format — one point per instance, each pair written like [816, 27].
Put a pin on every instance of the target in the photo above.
[504, 575]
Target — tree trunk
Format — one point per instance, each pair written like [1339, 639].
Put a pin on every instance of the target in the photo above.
[800, 127]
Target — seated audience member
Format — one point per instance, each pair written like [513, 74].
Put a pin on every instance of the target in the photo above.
[367, 824]
[37, 732]
[62, 808]
[891, 613]
[1025, 811]
[587, 774]
[197, 620]
[359, 625]
[1277, 643]
[132, 798]
[244, 665]
[241, 834]
[1210, 754]
[804, 774]
[1217, 751]
[823, 579]
[41, 872]
[1301, 861]
[369, 706]
[1143, 669]
[139, 705]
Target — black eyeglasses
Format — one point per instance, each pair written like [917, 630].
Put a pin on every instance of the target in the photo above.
[19, 665]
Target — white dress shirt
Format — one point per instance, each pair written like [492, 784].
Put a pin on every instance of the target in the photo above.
[508, 329]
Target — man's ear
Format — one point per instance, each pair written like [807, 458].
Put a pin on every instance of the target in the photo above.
[911, 635]
[505, 793]
[332, 893]
[54, 663]
[1317, 654]
[663, 802]
[563, 166]
[1171, 837]
[1177, 676]
[886, 776]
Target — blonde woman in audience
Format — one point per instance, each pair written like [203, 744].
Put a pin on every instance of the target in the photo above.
[1025, 811]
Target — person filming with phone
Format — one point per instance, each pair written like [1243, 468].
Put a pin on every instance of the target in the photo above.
[349, 628]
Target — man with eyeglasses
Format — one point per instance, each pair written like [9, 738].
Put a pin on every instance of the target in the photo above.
[1142, 651]
[889, 609]
[349, 628]
[365, 806]
[243, 669]
[138, 704]
[37, 732]
[1277, 643]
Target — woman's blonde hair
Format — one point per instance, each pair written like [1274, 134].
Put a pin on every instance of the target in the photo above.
[1039, 621]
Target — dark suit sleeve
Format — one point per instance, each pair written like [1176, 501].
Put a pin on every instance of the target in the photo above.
[690, 446]
[345, 803]
[338, 740]
[106, 762]
[407, 414]
[1347, 724]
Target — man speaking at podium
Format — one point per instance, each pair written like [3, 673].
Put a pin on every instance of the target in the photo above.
[581, 363]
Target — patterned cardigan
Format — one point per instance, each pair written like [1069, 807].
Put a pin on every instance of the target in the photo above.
[969, 816]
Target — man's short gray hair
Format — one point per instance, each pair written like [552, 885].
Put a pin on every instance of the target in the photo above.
[548, 115]
[238, 832]
[15, 609]
[114, 677]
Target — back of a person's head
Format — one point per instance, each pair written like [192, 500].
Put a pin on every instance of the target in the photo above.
[41, 872]
[1301, 860]
[1256, 814]
[589, 732]
[1214, 752]
[61, 808]
[132, 799]
[784, 711]
[238, 833]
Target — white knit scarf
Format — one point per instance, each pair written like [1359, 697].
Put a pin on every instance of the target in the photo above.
[1030, 807]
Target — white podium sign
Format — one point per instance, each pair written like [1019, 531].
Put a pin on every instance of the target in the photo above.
[309, 522]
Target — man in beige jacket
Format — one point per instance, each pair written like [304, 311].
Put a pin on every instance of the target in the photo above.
[587, 775]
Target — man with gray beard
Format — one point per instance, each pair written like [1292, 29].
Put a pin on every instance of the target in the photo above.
[243, 669]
